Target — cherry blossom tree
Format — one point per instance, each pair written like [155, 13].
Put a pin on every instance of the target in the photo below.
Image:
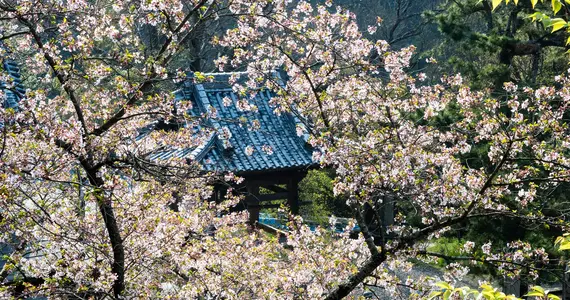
[86, 213]
[89, 216]
[388, 137]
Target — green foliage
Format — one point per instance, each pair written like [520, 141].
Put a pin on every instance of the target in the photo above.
[317, 187]
[563, 242]
[537, 291]
[447, 246]
[490, 47]
[487, 292]
[490, 44]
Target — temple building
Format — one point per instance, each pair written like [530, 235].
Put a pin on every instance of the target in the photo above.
[254, 142]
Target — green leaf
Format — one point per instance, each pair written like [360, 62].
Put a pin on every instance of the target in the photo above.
[536, 291]
[488, 295]
[557, 24]
[496, 3]
[434, 295]
[553, 297]
[538, 16]
[556, 5]
[444, 285]
[533, 2]
[564, 246]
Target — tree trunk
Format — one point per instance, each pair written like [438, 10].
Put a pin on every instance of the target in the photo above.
[346, 287]
[114, 233]
[112, 227]
[535, 66]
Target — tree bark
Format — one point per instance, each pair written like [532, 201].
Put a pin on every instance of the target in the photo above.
[118, 266]
[377, 257]
[113, 232]
[369, 266]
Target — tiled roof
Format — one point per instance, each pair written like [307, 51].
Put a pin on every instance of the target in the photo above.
[12, 88]
[271, 136]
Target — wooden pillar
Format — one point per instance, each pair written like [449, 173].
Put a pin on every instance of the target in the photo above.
[513, 286]
[252, 201]
[81, 199]
[293, 194]
[222, 194]
[387, 212]
[219, 193]
[566, 283]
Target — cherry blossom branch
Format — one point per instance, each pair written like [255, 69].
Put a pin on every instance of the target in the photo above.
[4, 136]
[148, 82]
[377, 259]
[564, 178]
[8, 36]
[396, 283]
[63, 80]
[490, 262]
[555, 163]
[492, 176]
[5, 269]
[369, 266]
[489, 181]
[316, 90]
[365, 231]
[181, 25]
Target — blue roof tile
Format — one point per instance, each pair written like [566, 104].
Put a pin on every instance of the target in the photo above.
[12, 89]
[218, 153]
[278, 132]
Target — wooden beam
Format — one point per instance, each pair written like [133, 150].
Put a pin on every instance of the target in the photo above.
[275, 196]
[275, 188]
[242, 205]
[260, 206]
[272, 178]
[278, 205]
